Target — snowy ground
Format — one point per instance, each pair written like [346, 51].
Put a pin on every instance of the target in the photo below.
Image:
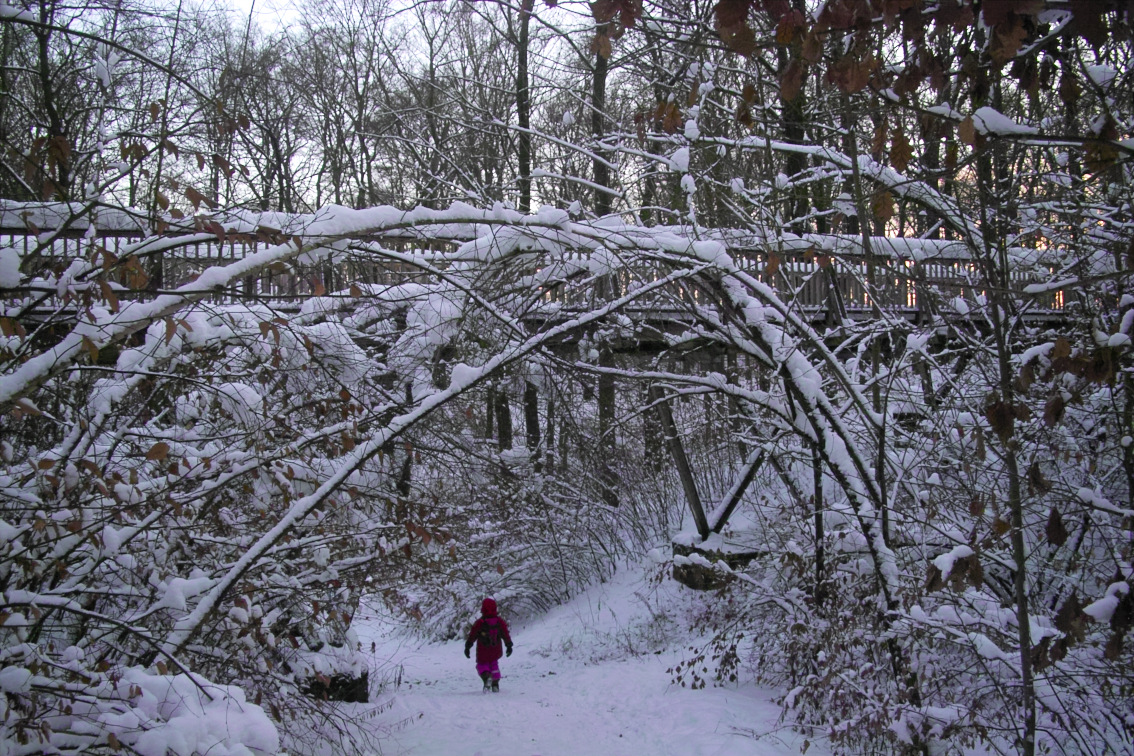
[589, 678]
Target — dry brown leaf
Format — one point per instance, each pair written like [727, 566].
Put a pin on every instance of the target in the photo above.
[900, 151]
[882, 205]
[158, 451]
[773, 265]
[967, 131]
[1055, 531]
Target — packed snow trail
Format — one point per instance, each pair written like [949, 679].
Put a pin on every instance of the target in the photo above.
[583, 681]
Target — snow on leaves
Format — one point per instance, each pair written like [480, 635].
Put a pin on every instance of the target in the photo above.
[957, 569]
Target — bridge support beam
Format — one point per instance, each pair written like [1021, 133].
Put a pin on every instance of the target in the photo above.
[677, 453]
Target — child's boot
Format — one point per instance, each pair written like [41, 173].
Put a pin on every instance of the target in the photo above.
[484, 678]
[495, 686]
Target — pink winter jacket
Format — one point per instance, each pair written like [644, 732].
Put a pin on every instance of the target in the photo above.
[489, 652]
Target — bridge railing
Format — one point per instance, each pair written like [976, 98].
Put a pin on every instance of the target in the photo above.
[818, 283]
[161, 270]
[816, 273]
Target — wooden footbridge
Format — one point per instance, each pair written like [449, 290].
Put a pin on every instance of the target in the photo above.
[827, 277]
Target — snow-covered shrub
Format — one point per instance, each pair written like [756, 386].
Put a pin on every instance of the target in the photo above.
[941, 665]
[123, 555]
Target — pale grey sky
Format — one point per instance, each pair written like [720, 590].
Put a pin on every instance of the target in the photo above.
[267, 14]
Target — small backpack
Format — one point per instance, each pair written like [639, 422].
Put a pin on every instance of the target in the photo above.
[489, 632]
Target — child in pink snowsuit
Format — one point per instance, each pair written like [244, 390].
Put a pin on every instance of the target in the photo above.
[488, 632]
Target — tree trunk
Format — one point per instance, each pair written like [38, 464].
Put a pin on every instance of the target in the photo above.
[405, 476]
[523, 109]
[598, 130]
[503, 420]
[531, 424]
[652, 430]
[607, 446]
[735, 419]
[58, 143]
[864, 213]
[817, 501]
[995, 271]
[793, 124]
[490, 413]
[550, 456]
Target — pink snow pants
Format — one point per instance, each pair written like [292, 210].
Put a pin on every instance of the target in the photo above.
[492, 667]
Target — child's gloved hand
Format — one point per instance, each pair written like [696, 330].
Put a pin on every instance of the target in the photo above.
[466, 652]
[508, 651]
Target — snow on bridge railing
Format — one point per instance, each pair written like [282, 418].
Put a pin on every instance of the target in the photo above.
[53, 232]
[816, 271]
[835, 277]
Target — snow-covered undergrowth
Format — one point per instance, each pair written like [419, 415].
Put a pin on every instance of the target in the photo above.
[593, 675]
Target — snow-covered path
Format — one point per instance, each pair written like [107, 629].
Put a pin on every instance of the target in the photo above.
[579, 682]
